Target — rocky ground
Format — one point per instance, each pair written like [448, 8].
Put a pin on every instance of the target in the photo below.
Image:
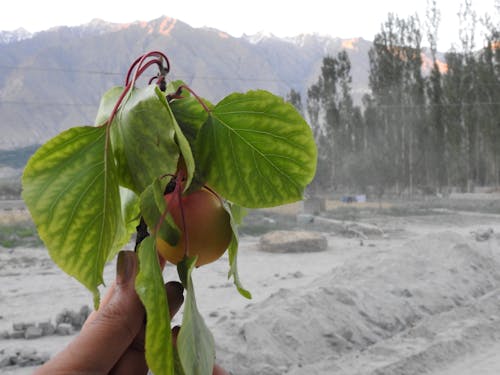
[391, 294]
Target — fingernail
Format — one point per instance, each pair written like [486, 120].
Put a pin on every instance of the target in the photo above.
[125, 266]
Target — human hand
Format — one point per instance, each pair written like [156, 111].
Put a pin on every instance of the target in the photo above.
[112, 339]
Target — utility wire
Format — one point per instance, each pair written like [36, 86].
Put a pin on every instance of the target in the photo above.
[396, 106]
[64, 70]
[109, 73]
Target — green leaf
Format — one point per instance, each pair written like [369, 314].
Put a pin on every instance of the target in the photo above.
[236, 214]
[130, 208]
[189, 113]
[70, 186]
[190, 116]
[151, 290]
[182, 142]
[107, 104]
[143, 137]
[195, 342]
[256, 150]
[154, 211]
[177, 363]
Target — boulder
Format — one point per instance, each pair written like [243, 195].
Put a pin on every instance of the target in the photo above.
[17, 335]
[314, 205]
[63, 317]
[64, 329]
[4, 360]
[47, 328]
[33, 332]
[21, 326]
[283, 241]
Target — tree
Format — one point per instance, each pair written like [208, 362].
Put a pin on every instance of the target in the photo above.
[294, 98]
[335, 119]
[438, 153]
[398, 92]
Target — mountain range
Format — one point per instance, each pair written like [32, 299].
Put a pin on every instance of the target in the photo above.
[54, 79]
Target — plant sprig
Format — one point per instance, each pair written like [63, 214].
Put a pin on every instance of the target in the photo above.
[91, 187]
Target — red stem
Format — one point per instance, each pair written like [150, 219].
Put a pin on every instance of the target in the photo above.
[139, 70]
[160, 58]
[178, 191]
[118, 103]
[196, 96]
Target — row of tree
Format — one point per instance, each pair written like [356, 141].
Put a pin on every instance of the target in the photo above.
[414, 132]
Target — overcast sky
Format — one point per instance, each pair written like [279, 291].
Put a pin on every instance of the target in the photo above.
[346, 18]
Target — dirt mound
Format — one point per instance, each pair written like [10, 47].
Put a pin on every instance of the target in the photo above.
[362, 304]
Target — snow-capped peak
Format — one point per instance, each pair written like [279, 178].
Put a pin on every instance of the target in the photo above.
[14, 35]
[259, 37]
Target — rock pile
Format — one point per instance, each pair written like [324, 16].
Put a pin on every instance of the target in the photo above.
[22, 357]
[66, 323]
[282, 241]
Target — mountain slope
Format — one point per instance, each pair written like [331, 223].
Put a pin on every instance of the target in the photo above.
[54, 79]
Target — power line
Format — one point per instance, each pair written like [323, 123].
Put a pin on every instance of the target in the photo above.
[429, 105]
[397, 106]
[64, 70]
[47, 103]
[109, 73]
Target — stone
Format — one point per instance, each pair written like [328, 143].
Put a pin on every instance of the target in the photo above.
[18, 326]
[4, 360]
[85, 311]
[30, 357]
[44, 357]
[47, 328]
[76, 319]
[17, 335]
[314, 205]
[293, 242]
[21, 326]
[303, 219]
[483, 234]
[64, 329]
[63, 317]
[14, 360]
[33, 332]
[27, 352]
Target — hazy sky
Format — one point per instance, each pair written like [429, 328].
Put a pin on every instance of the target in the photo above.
[346, 18]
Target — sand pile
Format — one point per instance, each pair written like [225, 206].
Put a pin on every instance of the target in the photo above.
[391, 311]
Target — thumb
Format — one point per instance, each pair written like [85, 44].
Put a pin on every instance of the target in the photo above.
[108, 330]
[118, 321]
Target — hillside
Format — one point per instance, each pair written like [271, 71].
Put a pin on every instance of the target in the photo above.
[54, 79]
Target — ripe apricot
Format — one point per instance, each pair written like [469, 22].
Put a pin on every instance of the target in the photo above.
[208, 227]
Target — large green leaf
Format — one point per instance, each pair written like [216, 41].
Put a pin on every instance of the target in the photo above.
[107, 104]
[182, 141]
[195, 342]
[190, 116]
[143, 137]
[70, 186]
[256, 150]
[188, 111]
[151, 290]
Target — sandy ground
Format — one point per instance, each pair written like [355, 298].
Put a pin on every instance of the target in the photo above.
[422, 299]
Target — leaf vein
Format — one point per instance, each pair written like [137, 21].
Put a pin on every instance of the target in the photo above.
[295, 183]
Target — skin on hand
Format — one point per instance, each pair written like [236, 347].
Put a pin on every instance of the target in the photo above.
[112, 339]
